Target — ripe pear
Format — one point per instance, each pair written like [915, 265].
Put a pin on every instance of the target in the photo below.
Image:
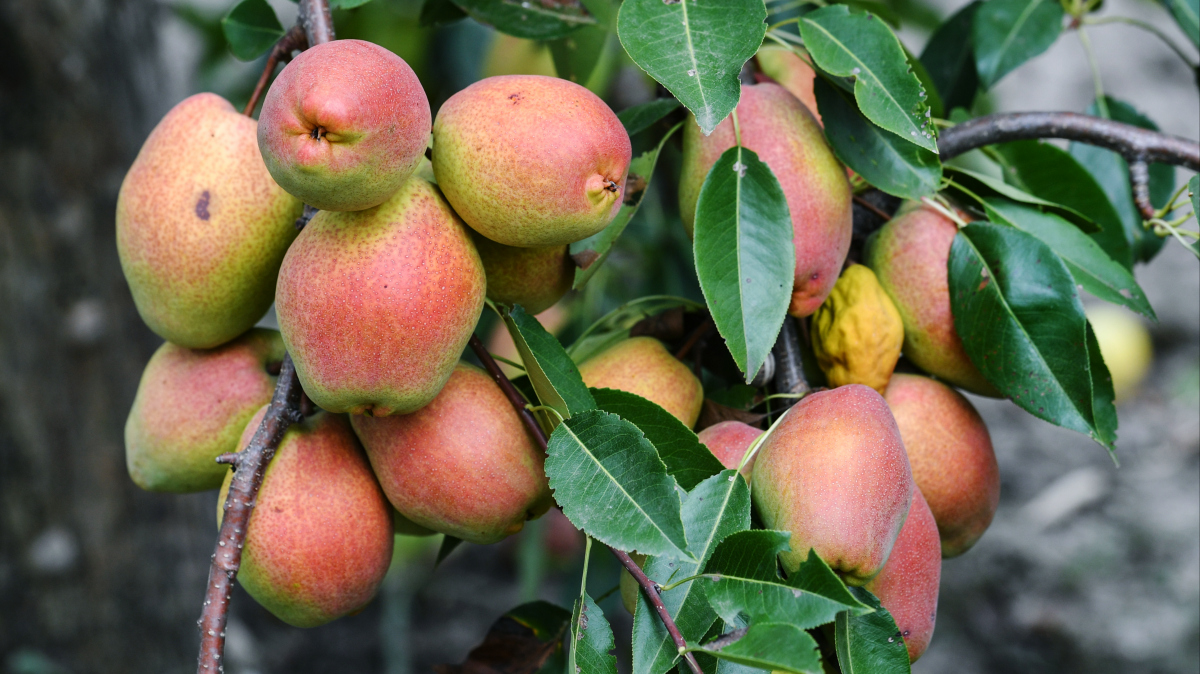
[787, 138]
[191, 407]
[376, 306]
[951, 455]
[728, 441]
[529, 161]
[909, 256]
[344, 125]
[790, 72]
[319, 540]
[201, 226]
[463, 465]
[643, 366]
[535, 278]
[1125, 345]
[834, 473]
[908, 584]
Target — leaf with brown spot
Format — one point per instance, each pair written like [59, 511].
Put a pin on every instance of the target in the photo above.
[523, 641]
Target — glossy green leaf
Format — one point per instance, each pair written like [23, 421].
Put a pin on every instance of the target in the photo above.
[347, 4]
[1008, 33]
[983, 186]
[641, 117]
[1021, 322]
[745, 258]
[870, 643]
[1187, 15]
[576, 55]
[528, 19]
[771, 646]
[609, 481]
[1090, 266]
[551, 371]
[591, 636]
[590, 253]
[863, 47]
[251, 28]
[1053, 174]
[815, 576]
[933, 97]
[714, 509]
[882, 158]
[1103, 395]
[695, 50]
[439, 12]
[688, 461]
[615, 326]
[950, 60]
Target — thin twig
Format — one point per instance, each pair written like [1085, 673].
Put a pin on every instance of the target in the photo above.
[520, 405]
[702, 330]
[293, 40]
[871, 207]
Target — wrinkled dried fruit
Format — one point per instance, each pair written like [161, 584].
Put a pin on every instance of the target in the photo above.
[858, 331]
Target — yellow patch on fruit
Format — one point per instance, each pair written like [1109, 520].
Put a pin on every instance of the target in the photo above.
[857, 332]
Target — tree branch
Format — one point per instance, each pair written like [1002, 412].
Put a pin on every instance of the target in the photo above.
[1138, 146]
[317, 21]
[249, 465]
[293, 40]
[789, 368]
[519, 404]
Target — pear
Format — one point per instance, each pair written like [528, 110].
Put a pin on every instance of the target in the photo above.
[319, 540]
[344, 125]
[784, 135]
[191, 407]
[201, 226]
[728, 441]
[643, 366]
[375, 306]
[529, 160]
[535, 278]
[791, 72]
[463, 465]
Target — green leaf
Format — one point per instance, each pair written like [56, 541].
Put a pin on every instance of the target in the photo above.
[609, 481]
[772, 646]
[591, 636]
[1053, 174]
[982, 186]
[870, 643]
[695, 50]
[527, 18]
[590, 253]
[1194, 194]
[449, 545]
[1008, 33]
[528, 639]
[745, 258]
[251, 28]
[714, 509]
[576, 55]
[688, 461]
[1089, 265]
[1103, 395]
[347, 4]
[551, 371]
[1187, 15]
[615, 326]
[815, 576]
[863, 47]
[641, 117]
[1021, 322]
[950, 61]
[882, 158]
[439, 12]
[1112, 174]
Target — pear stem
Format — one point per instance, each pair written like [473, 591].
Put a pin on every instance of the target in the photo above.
[293, 40]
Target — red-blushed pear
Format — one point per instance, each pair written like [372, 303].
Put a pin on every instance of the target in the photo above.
[834, 473]
[463, 465]
[201, 226]
[191, 407]
[376, 306]
[529, 160]
[728, 441]
[787, 138]
[642, 365]
[320, 538]
[790, 72]
[535, 278]
[909, 256]
[951, 455]
[344, 125]
[908, 584]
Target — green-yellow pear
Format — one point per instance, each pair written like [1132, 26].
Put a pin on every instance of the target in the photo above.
[528, 160]
[344, 125]
[791, 72]
[642, 365]
[784, 135]
[834, 474]
[191, 407]
[535, 278]
[908, 256]
[376, 306]
[463, 465]
[319, 539]
[1125, 345]
[201, 226]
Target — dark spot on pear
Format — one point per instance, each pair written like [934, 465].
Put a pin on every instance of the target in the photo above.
[202, 206]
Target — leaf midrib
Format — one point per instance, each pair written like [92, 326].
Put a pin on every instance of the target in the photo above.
[1012, 34]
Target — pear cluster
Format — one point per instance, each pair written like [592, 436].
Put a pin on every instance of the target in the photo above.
[419, 219]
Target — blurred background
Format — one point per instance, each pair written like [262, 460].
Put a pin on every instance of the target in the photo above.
[1087, 567]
